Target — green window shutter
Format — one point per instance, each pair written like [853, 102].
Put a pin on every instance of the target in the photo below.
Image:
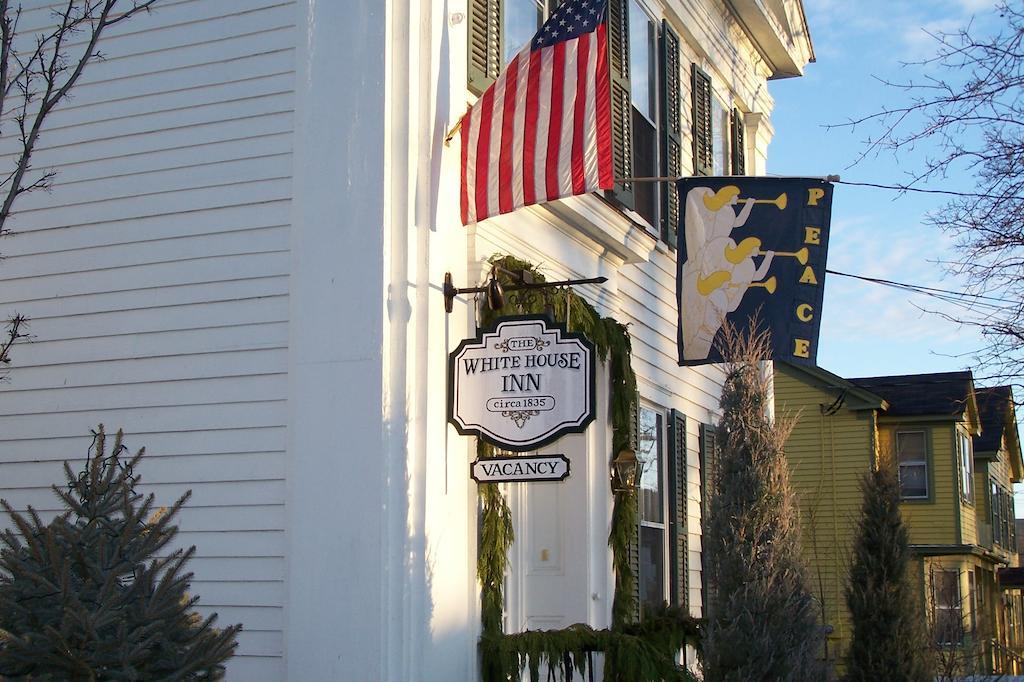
[671, 131]
[739, 144]
[678, 557]
[634, 546]
[622, 108]
[708, 464]
[703, 147]
[485, 47]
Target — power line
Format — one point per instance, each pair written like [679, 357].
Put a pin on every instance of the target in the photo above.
[948, 295]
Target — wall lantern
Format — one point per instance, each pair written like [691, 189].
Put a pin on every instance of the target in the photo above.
[625, 471]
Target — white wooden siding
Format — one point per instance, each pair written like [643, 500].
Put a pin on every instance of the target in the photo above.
[156, 278]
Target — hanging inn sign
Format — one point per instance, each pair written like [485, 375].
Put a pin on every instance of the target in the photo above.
[522, 384]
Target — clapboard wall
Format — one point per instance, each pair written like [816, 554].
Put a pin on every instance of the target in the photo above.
[156, 278]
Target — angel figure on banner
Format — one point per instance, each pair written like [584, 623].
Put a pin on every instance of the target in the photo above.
[718, 271]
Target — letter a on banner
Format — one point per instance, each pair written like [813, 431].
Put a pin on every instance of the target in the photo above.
[752, 246]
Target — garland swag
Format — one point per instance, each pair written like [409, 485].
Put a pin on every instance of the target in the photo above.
[633, 651]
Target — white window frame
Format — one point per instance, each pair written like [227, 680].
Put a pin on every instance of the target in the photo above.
[965, 453]
[663, 525]
[923, 462]
[955, 607]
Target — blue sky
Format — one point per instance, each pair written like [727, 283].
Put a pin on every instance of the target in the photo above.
[868, 329]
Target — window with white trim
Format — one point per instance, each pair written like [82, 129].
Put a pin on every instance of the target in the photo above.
[947, 607]
[966, 466]
[651, 453]
[912, 456]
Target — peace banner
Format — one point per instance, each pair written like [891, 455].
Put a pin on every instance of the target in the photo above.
[751, 247]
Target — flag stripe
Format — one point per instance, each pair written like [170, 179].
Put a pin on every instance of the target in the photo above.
[507, 137]
[542, 130]
[494, 152]
[540, 149]
[555, 132]
[579, 181]
[530, 130]
[603, 91]
[520, 132]
[589, 137]
[568, 117]
[483, 147]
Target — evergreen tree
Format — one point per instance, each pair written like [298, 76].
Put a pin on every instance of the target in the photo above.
[86, 596]
[890, 641]
[763, 621]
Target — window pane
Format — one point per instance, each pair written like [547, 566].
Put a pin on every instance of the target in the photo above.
[966, 468]
[522, 20]
[913, 480]
[949, 625]
[910, 446]
[645, 164]
[652, 563]
[720, 140]
[649, 454]
[641, 60]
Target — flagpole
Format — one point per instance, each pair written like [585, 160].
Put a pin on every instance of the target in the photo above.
[455, 128]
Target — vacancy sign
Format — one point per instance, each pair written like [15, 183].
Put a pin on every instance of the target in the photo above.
[522, 384]
[520, 468]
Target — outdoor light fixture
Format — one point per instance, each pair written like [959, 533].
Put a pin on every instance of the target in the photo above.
[496, 292]
[625, 471]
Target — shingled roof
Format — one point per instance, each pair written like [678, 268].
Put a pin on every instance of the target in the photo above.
[918, 395]
[993, 404]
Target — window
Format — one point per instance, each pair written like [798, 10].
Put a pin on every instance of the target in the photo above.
[972, 598]
[520, 22]
[650, 452]
[659, 557]
[643, 79]
[912, 455]
[948, 621]
[966, 466]
[719, 138]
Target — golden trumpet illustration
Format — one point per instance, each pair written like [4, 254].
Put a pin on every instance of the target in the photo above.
[801, 255]
[780, 201]
[768, 284]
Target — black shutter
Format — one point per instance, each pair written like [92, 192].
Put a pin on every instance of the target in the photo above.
[678, 558]
[634, 546]
[622, 108]
[708, 475]
[485, 43]
[739, 144]
[703, 146]
[671, 131]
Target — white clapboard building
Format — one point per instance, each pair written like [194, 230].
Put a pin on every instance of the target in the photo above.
[241, 264]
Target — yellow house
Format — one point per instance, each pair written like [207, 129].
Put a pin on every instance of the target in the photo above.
[958, 453]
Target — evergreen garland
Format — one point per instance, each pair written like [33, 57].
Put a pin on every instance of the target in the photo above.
[633, 651]
[646, 650]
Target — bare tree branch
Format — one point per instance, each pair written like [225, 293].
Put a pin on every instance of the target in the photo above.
[37, 73]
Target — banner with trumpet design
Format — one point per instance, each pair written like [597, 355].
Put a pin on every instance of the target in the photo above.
[751, 247]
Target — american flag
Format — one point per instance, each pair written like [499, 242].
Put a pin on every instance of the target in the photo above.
[542, 130]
